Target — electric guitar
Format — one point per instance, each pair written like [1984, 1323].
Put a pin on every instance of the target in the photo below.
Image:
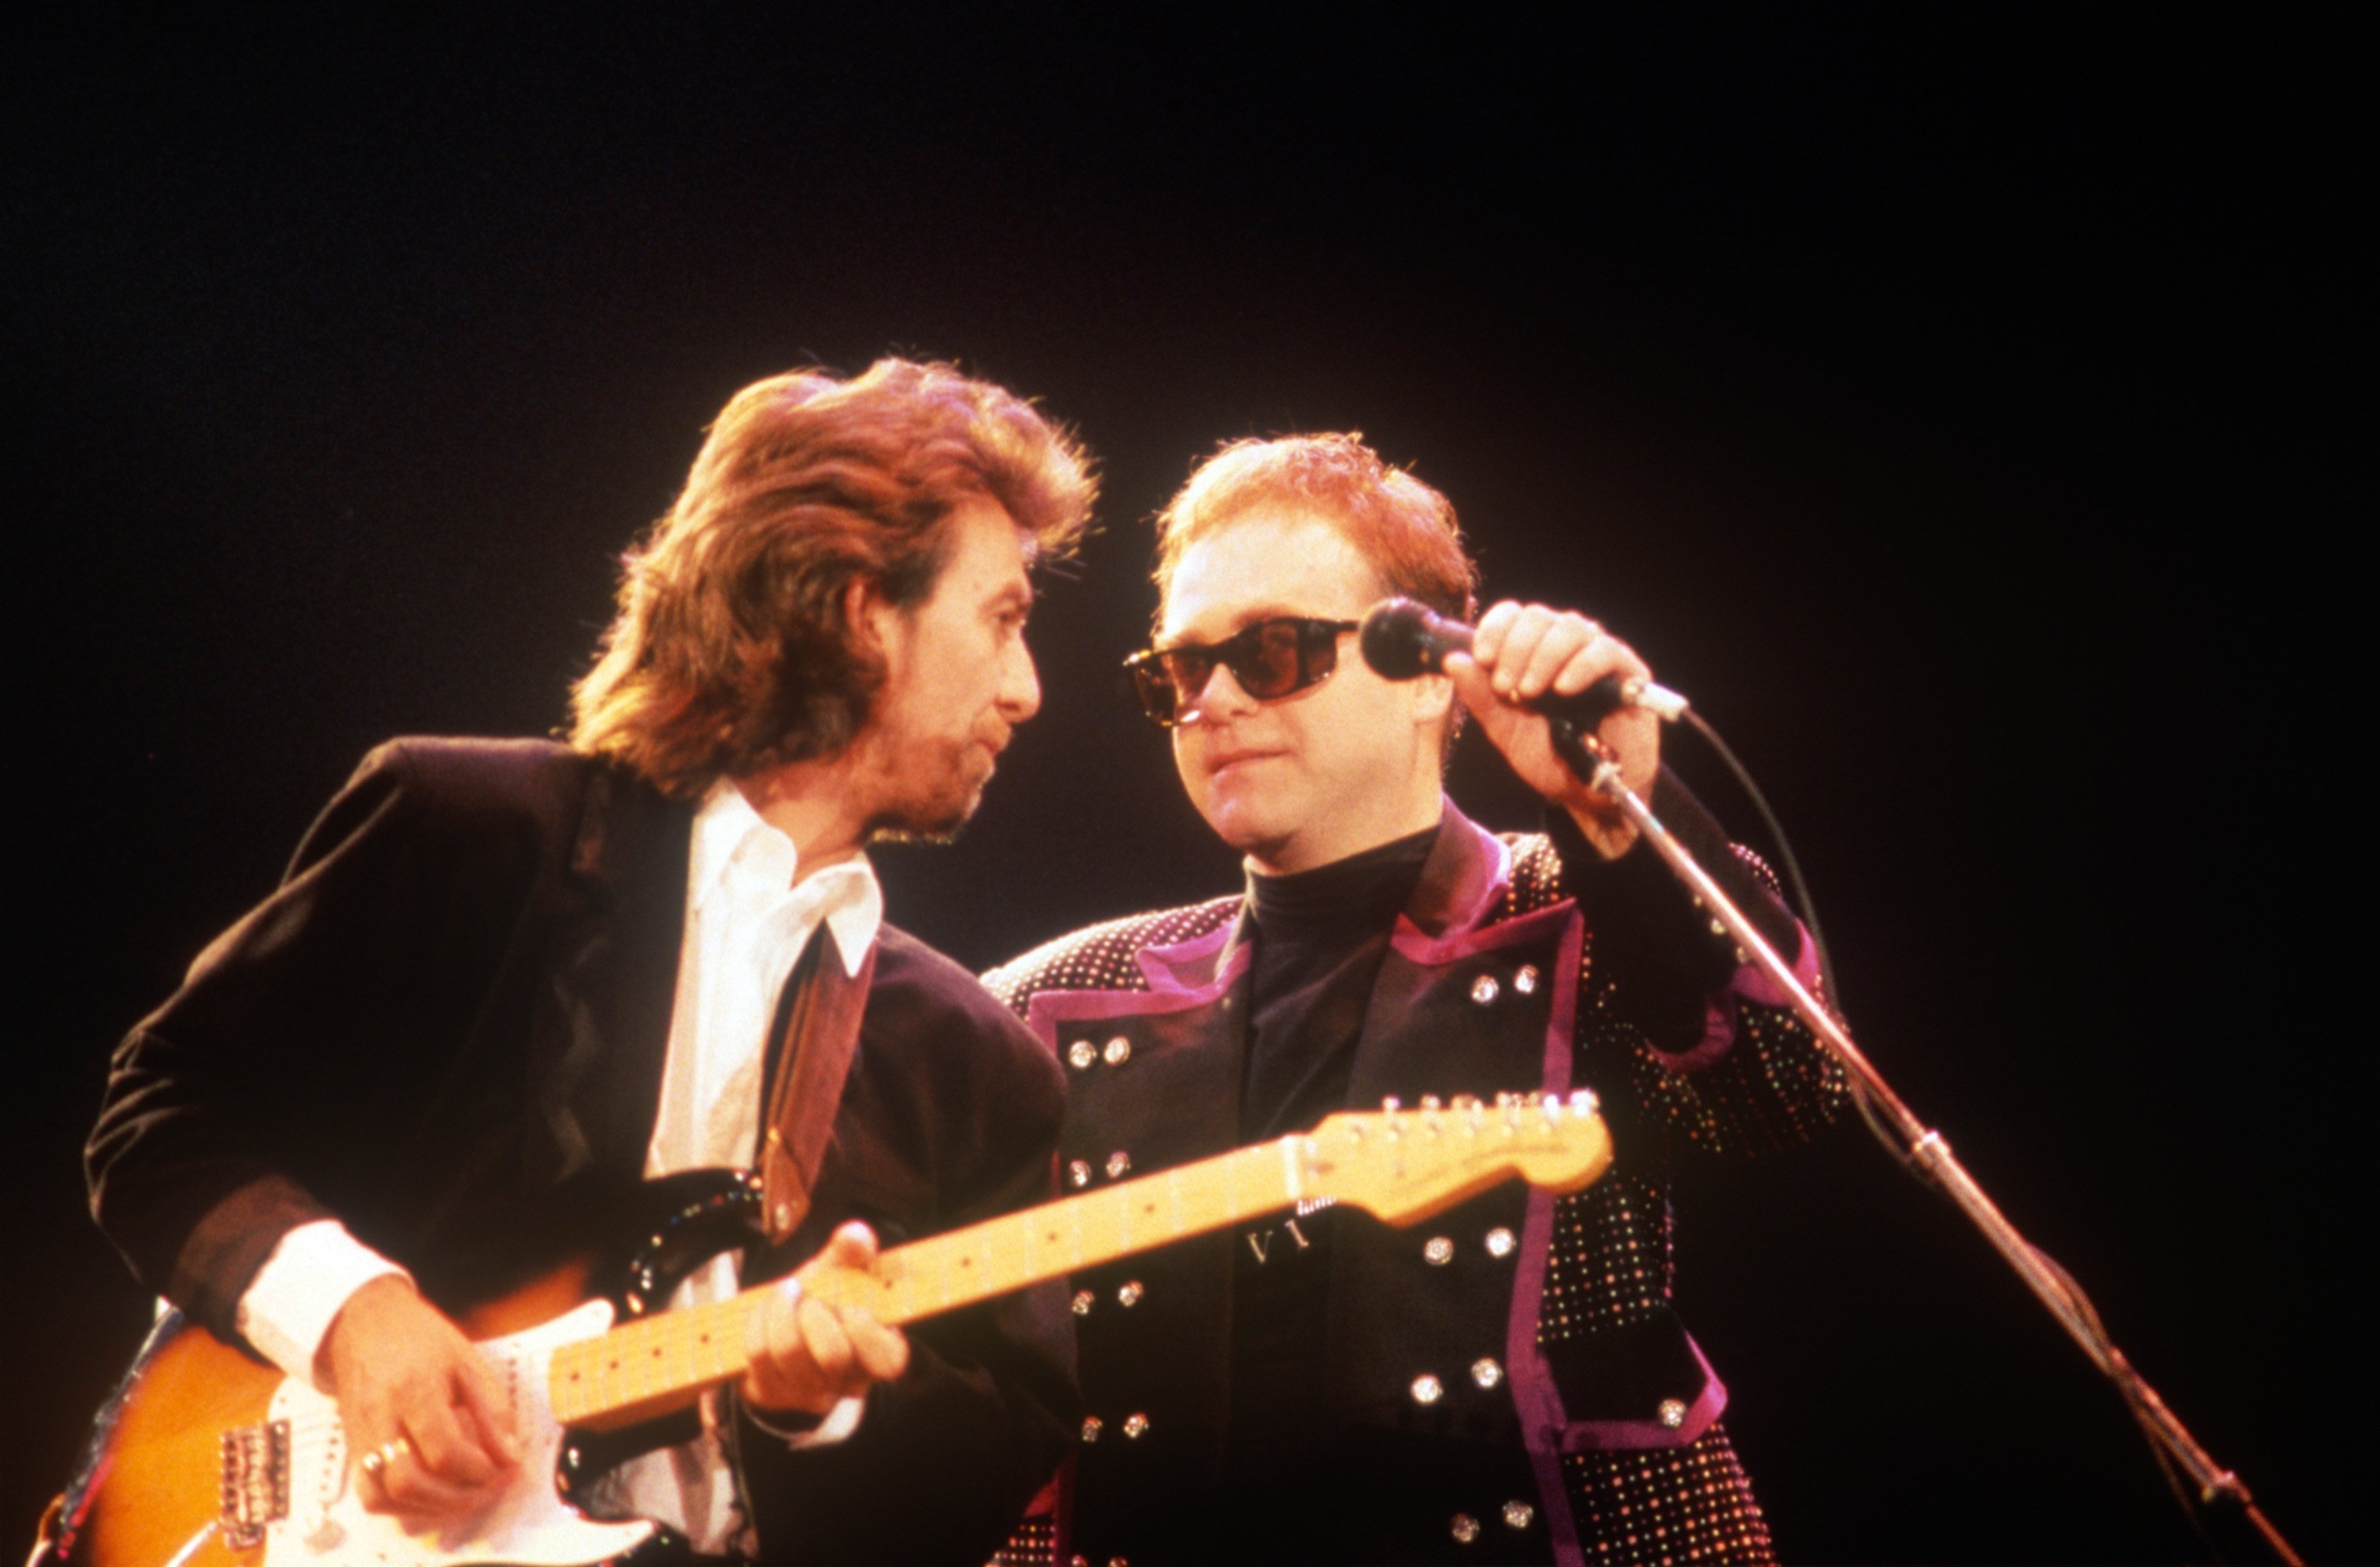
[209, 1458]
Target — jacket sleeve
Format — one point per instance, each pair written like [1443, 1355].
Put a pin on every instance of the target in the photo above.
[1713, 1051]
[230, 1110]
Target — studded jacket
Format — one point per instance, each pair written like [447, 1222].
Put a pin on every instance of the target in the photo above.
[1480, 1362]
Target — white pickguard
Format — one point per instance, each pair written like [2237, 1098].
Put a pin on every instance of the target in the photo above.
[530, 1524]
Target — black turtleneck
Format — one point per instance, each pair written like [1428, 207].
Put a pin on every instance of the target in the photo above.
[1320, 936]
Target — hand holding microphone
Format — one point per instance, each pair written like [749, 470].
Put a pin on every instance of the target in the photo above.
[1522, 664]
[1402, 639]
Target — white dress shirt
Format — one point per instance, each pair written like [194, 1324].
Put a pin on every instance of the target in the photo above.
[748, 913]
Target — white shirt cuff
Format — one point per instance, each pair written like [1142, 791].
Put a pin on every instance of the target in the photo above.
[291, 1302]
[837, 1424]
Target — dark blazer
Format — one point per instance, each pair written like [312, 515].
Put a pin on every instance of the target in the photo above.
[1508, 1381]
[446, 1028]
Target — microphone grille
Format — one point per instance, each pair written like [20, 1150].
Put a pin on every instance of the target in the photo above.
[1396, 640]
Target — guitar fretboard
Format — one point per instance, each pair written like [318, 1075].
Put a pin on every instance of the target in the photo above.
[650, 1367]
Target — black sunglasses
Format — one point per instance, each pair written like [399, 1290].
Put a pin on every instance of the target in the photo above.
[1271, 659]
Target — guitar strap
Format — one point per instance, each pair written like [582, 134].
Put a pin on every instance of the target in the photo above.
[821, 1032]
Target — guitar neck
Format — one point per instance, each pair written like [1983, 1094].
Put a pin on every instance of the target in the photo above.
[665, 1361]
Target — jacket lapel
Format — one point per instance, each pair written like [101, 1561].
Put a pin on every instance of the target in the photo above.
[601, 1031]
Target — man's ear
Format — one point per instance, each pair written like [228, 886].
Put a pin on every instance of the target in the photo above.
[873, 622]
[1433, 698]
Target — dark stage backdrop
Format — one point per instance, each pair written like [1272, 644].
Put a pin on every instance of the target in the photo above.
[1956, 410]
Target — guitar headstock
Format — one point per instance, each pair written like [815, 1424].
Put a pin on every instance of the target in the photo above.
[1404, 1165]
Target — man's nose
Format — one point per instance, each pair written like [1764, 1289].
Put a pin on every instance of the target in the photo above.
[1020, 685]
[1220, 701]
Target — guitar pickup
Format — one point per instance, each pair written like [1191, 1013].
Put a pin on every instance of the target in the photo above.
[255, 1482]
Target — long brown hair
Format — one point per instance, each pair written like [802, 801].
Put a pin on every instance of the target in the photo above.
[729, 652]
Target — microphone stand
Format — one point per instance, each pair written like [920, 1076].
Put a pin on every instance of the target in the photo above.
[1925, 1148]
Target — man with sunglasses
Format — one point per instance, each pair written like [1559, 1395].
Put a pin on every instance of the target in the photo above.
[1508, 1381]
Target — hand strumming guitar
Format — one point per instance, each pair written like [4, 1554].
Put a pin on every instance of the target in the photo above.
[430, 1431]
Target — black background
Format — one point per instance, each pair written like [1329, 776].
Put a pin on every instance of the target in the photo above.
[1957, 408]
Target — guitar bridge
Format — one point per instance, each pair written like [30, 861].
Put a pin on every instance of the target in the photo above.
[255, 1486]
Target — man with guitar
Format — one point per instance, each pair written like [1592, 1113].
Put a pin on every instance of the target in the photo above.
[1509, 1382]
[509, 989]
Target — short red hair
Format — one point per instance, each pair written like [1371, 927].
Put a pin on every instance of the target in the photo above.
[1405, 530]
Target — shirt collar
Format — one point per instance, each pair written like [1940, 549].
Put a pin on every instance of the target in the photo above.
[741, 861]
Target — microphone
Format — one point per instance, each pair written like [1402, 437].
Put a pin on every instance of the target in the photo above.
[1402, 640]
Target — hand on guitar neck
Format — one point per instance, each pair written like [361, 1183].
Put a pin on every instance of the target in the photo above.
[807, 1354]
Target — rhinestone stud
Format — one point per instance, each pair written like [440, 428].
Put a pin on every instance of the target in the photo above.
[1427, 1388]
[1483, 989]
[1485, 1372]
[1130, 1294]
[1134, 1425]
[1673, 1413]
[1519, 1514]
[1082, 1053]
[1500, 1243]
[1464, 1528]
[1437, 1251]
[1084, 1300]
[1119, 1163]
[1119, 1051]
[1526, 982]
[1078, 1172]
[1091, 1428]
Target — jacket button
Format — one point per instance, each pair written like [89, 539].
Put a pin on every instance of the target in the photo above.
[1134, 1425]
[1091, 1428]
[1427, 1388]
[1526, 982]
[1119, 1164]
[1500, 1243]
[1130, 1294]
[1084, 1300]
[1673, 1413]
[1078, 1172]
[1519, 1514]
[1485, 1372]
[1437, 1251]
[1464, 1528]
[1483, 989]
[1083, 1053]
[1119, 1051]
